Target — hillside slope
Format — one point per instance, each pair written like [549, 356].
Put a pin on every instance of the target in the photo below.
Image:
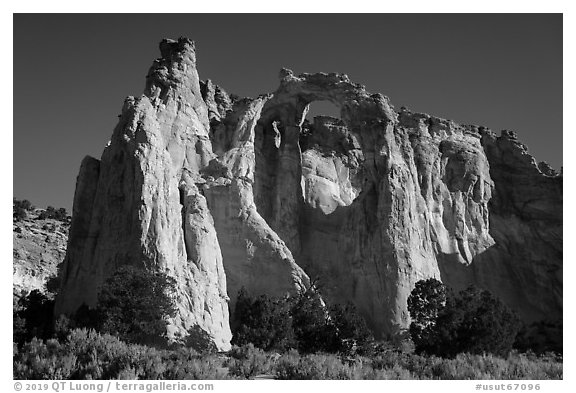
[39, 246]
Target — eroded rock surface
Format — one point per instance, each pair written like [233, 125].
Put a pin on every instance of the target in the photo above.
[143, 206]
[226, 193]
[39, 246]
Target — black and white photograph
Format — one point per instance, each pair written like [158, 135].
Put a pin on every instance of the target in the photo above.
[286, 196]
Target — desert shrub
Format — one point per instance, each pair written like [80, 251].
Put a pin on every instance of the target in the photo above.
[56, 214]
[33, 317]
[313, 328]
[402, 341]
[20, 209]
[472, 321]
[49, 227]
[53, 282]
[43, 360]
[313, 366]
[301, 321]
[23, 204]
[102, 356]
[522, 366]
[19, 214]
[248, 361]
[329, 366]
[487, 366]
[393, 364]
[426, 301]
[485, 325]
[85, 317]
[186, 363]
[19, 334]
[287, 366]
[265, 322]
[353, 334]
[62, 327]
[396, 372]
[540, 337]
[134, 304]
[465, 366]
[199, 340]
[86, 354]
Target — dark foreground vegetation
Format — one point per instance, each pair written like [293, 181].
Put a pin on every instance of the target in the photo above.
[465, 335]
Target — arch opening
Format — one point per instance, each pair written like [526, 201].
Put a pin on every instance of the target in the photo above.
[332, 170]
[322, 108]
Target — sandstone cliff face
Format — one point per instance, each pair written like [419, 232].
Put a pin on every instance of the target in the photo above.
[144, 203]
[140, 205]
[255, 256]
[226, 193]
[524, 267]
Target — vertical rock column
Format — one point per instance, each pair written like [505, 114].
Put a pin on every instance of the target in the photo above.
[203, 297]
[255, 256]
[141, 214]
[288, 192]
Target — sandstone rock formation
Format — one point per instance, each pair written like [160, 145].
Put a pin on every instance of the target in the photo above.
[140, 204]
[223, 193]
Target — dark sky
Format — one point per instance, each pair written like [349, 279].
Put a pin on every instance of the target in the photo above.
[72, 72]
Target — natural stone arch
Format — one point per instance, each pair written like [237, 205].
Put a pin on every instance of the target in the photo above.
[369, 116]
[278, 154]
